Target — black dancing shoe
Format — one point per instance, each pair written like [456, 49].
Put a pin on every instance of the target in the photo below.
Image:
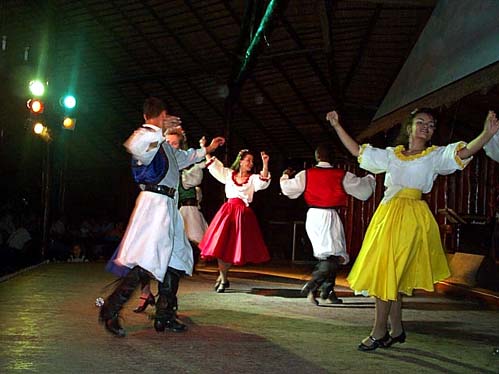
[113, 326]
[174, 325]
[375, 343]
[222, 287]
[310, 294]
[397, 339]
[333, 299]
[149, 300]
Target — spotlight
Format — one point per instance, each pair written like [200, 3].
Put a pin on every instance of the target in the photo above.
[37, 88]
[68, 101]
[69, 123]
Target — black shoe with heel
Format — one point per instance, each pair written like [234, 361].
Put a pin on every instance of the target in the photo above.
[375, 343]
[174, 325]
[395, 339]
[149, 300]
[222, 287]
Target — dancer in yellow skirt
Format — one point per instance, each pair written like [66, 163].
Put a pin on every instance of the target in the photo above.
[402, 250]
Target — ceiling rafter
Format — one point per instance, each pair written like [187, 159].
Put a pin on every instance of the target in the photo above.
[197, 61]
[315, 67]
[267, 96]
[168, 88]
[362, 48]
[306, 104]
[326, 10]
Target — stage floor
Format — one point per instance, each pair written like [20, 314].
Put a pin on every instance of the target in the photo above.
[260, 325]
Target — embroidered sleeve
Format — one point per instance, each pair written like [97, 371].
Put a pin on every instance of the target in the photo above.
[359, 187]
[259, 183]
[143, 144]
[374, 159]
[293, 187]
[217, 169]
[446, 160]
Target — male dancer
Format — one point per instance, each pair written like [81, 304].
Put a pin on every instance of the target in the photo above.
[188, 200]
[324, 189]
[154, 244]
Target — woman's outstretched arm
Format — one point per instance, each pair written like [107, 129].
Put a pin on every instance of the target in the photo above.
[490, 127]
[347, 140]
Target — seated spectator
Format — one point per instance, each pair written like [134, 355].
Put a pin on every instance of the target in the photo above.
[77, 254]
[19, 238]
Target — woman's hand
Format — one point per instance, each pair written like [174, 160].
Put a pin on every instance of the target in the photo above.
[491, 125]
[333, 118]
[265, 158]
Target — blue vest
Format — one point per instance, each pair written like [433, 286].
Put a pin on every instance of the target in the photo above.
[152, 173]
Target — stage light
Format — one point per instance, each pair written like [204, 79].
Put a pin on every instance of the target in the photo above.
[37, 88]
[39, 128]
[68, 101]
[36, 106]
[69, 123]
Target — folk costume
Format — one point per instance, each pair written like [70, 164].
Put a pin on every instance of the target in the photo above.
[402, 250]
[154, 243]
[190, 196]
[324, 189]
[234, 235]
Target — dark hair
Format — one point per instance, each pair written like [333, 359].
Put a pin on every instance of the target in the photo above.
[242, 154]
[323, 153]
[403, 136]
[153, 107]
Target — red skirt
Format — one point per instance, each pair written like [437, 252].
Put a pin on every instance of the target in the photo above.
[234, 236]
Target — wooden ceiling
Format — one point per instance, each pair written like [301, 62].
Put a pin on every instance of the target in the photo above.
[311, 57]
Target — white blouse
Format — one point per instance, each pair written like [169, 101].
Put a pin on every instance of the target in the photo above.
[492, 147]
[416, 171]
[359, 187]
[232, 189]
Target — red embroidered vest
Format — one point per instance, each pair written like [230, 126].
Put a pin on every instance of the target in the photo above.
[324, 188]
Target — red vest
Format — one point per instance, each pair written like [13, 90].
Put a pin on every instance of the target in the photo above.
[324, 188]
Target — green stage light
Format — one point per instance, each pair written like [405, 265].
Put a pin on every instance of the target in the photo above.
[37, 88]
[69, 101]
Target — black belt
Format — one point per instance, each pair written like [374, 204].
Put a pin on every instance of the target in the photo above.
[189, 202]
[163, 190]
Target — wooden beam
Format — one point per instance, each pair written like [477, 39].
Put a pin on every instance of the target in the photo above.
[315, 67]
[417, 3]
[482, 79]
[362, 50]
[326, 10]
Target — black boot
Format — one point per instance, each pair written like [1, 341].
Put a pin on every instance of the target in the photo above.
[319, 276]
[166, 306]
[327, 288]
[109, 312]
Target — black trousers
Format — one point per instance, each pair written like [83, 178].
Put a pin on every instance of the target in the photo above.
[324, 275]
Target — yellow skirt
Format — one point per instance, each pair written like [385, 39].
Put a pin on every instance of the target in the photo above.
[401, 251]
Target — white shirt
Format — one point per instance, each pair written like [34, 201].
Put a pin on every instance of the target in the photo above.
[232, 188]
[359, 187]
[416, 171]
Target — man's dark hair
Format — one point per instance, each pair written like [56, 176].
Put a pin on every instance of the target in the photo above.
[323, 153]
[153, 107]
